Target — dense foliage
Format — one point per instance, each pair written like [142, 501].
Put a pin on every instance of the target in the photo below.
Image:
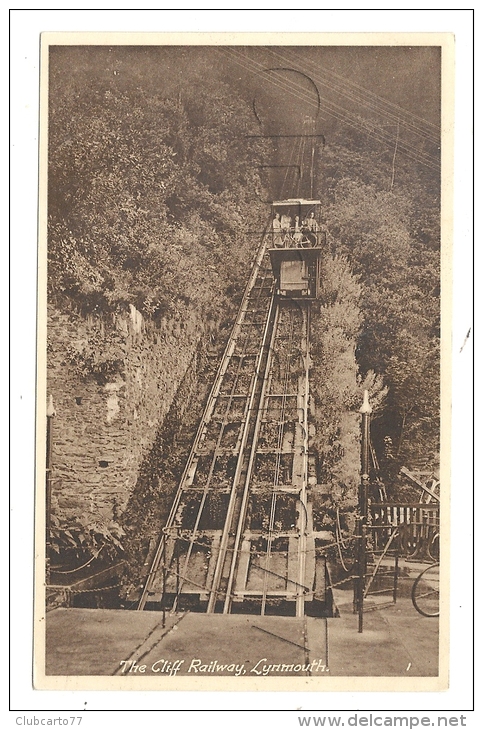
[154, 202]
[337, 389]
[390, 235]
[150, 193]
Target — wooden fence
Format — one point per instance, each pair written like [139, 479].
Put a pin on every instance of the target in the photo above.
[417, 528]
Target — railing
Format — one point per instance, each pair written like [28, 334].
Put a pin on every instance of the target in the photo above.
[418, 528]
[290, 238]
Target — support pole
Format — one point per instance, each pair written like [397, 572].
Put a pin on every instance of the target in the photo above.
[164, 593]
[163, 599]
[366, 411]
[396, 575]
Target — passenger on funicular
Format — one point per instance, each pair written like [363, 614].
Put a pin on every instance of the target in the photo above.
[312, 228]
[297, 233]
[286, 224]
[277, 231]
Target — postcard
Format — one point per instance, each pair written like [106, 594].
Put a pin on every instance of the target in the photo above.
[244, 305]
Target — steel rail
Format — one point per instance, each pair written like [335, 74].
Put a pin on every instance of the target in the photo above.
[251, 462]
[278, 459]
[240, 443]
[206, 489]
[302, 543]
[206, 417]
[240, 464]
[220, 580]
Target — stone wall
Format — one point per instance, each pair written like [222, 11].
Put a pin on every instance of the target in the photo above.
[105, 425]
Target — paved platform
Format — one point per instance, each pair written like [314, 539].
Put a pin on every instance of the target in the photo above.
[112, 642]
[396, 642]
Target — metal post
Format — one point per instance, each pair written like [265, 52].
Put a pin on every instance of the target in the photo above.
[396, 575]
[177, 565]
[48, 486]
[164, 582]
[164, 595]
[366, 411]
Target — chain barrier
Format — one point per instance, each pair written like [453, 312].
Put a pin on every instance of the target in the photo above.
[340, 582]
[76, 570]
[71, 591]
[329, 545]
[320, 551]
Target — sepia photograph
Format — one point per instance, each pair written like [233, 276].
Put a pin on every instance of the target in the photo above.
[243, 374]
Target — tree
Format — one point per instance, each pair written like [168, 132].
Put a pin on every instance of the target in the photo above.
[391, 240]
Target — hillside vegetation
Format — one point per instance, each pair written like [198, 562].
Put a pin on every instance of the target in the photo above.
[149, 193]
[155, 202]
[390, 234]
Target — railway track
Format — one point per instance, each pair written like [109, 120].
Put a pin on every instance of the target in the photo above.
[238, 536]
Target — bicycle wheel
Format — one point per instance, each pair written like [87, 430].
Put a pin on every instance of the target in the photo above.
[425, 592]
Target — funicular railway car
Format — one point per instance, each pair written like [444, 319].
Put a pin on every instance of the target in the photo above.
[296, 247]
